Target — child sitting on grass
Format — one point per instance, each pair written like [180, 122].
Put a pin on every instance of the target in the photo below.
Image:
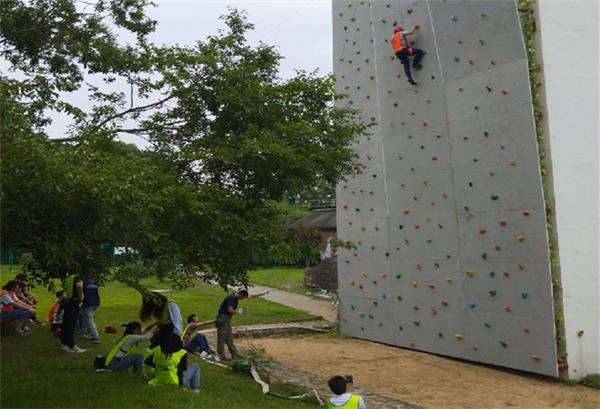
[199, 341]
[341, 399]
[170, 364]
[55, 315]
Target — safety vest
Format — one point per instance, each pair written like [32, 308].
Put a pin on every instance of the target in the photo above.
[165, 371]
[149, 370]
[164, 315]
[69, 286]
[351, 404]
[399, 41]
[118, 346]
[6, 307]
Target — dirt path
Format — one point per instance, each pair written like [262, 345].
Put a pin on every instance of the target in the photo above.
[423, 379]
[316, 307]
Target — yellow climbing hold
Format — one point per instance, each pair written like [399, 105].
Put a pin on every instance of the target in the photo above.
[469, 273]
[450, 279]
[383, 275]
[352, 281]
[364, 273]
[415, 284]
[536, 357]
[458, 337]
[520, 238]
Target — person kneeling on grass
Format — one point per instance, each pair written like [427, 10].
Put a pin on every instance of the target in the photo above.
[198, 342]
[123, 354]
[341, 399]
[170, 364]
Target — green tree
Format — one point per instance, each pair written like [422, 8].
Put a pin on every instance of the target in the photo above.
[229, 141]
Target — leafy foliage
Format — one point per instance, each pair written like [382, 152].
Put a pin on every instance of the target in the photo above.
[229, 141]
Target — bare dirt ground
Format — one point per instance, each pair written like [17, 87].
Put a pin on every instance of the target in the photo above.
[423, 379]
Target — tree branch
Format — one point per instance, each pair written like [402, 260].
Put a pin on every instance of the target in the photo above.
[132, 110]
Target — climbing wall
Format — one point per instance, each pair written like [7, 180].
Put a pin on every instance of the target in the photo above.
[447, 215]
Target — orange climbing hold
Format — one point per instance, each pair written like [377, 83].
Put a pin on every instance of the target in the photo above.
[520, 238]
[482, 231]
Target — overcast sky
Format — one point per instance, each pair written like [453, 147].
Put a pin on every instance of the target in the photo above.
[300, 29]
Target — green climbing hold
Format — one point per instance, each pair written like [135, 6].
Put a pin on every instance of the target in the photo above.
[437, 265]
[374, 282]
[401, 328]
[360, 286]
[352, 307]
[492, 293]
[370, 317]
[489, 88]
[417, 323]
[440, 226]
[406, 241]
[398, 276]
[456, 59]
[486, 134]
[494, 197]
[467, 208]
[440, 334]
[375, 303]
[484, 256]
[399, 298]
[504, 344]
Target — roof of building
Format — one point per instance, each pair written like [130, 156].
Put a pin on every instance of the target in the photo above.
[321, 218]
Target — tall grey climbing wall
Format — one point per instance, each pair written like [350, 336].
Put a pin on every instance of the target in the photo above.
[447, 215]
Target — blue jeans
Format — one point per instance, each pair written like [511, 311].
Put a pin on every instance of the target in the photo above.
[191, 377]
[135, 359]
[18, 314]
[198, 342]
[87, 322]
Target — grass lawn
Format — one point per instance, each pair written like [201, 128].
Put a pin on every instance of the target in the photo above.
[284, 278]
[36, 374]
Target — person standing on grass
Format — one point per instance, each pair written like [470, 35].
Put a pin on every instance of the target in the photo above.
[11, 308]
[228, 308]
[162, 309]
[91, 302]
[74, 289]
[341, 398]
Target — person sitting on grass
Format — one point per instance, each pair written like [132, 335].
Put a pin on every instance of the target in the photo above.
[198, 342]
[341, 399]
[55, 315]
[170, 364]
[11, 308]
[123, 354]
[25, 296]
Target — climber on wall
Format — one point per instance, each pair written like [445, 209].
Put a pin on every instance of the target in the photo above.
[403, 50]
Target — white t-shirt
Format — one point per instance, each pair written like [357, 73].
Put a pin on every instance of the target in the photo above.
[6, 299]
[341, 400]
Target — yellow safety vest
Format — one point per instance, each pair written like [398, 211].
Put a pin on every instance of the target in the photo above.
[69, 284]
[351, 404]
[116, 349]
[165, 371]
[149, 370]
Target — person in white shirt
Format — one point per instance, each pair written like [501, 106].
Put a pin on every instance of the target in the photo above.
[341, 398]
